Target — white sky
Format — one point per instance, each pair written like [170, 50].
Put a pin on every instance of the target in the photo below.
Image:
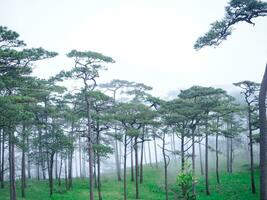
[151, 40]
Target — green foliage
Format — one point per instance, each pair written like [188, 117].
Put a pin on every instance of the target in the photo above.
[184, 184]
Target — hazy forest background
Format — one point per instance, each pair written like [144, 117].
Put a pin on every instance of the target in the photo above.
[159, 114]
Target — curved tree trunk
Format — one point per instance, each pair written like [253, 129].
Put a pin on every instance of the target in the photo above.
[263, 138]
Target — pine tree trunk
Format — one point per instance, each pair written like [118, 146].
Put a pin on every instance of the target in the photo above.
[155, 148]
[231, 155]
[136, 169]
[13, 195]
[28, 158]
[207, 164]
[182, 152]
[252, 179]
[80, 157]
[200, 157]
[50, 171]
[124, 169]
[60, 169]
[56, 173]
[263, 137]
[23, 170]
[3, 159]
[70, 170]
[132, 168]
[193, 160]
[217, 153]
[149, 153]
[141, 159]
[165, 169]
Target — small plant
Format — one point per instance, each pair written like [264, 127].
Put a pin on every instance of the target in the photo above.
[184, 184]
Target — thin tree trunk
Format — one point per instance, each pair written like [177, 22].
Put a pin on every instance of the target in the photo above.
[217, 153]
[95, 179]
[207, 164]
[132, 168]
[228, 154]
[231, 155]
[80, 157]
[28, 158]
[60, 169]
[141, 159]
[252, 179]
[66, 172]
[70, 170]
[23, 174]
[263, 138]
[3, 159]
[165, 169]
[149, 153]
[182, 151]
[56, 172]
[98, 177]
[2, 146]
[50, 171]
[13, 195]
[193, 160]
[200, 157]
[136, 168]
[124, 169]
[155, 148]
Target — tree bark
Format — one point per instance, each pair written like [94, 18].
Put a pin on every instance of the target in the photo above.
[200, 157]
[252, 179]
[13, 195]
[149, 153]
[217, 153]
[23, 170]
[136, 168]
[124, 169]
[263, 138]
[2, 149]
[50, 171]
[28, 158]
[132, 168]
[207, 164]
[193, 160]
[165, 169]
[60, 169]
[155, 148]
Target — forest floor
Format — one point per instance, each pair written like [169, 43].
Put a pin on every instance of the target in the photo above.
[235, 186]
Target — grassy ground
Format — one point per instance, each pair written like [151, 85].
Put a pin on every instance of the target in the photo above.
[234, 186]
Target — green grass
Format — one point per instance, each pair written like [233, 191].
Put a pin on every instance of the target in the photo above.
[234, 186]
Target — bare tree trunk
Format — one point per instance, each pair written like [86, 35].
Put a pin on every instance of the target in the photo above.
[124, 169]
[23, 175]
[60, 169]
[50, 171]
[70, 170]
[3, 159]
[165, 168]
[200, 157]
[136, 168]
[155, 148]
[80, 157]
[207, 164]
[56, 173]
[142, 154]
[252, 179]
[132, 169]
[182, 152]
[263, 138]
[228, 154]
[28, 158]
[13, 195]
[66, 172]
[149, 153]
[217, 153]
[1, 154]
[231, 155]
[193, 160]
